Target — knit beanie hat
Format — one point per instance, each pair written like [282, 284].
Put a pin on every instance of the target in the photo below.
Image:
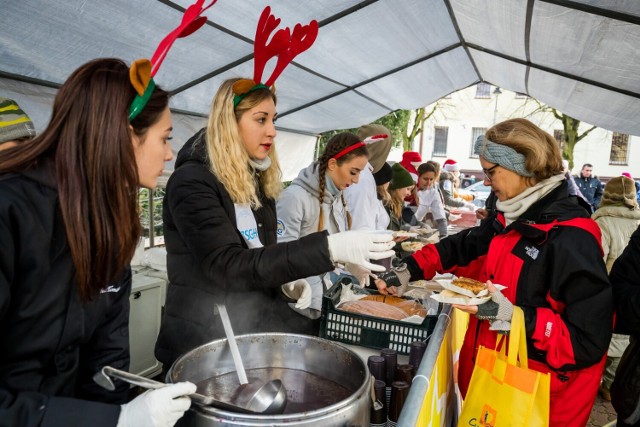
[619, 191]
[451, 165]
[400, 177]
[384, 175]
[14, 123]
[379, 150]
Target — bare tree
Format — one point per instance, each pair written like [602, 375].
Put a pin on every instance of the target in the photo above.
[570, 125]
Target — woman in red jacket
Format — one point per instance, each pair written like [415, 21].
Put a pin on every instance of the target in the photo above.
[542, 245]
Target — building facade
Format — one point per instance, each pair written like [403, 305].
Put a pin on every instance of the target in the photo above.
[460, 117]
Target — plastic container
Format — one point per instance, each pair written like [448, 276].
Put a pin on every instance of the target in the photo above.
[369, 331]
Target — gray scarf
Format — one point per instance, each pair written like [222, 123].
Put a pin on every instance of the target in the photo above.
[516, 206]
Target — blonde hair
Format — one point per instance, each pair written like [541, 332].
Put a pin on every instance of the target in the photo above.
[383, 194]
[542, 152]
[396, 202]
[228, 158]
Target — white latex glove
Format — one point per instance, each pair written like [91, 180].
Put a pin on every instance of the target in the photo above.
[359, 272]
[470, 206]
[157, 408]
[358, 247]
[299, 290]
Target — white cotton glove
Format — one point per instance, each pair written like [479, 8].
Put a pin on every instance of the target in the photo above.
[360, 273]
[299, 290]
[358, 247]
[162, 407]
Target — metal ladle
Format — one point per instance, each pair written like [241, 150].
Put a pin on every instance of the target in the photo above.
[103, 379]
[270, 397]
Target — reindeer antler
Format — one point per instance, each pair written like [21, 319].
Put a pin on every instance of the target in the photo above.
[283, 44]
[191, 22]
[142, 71]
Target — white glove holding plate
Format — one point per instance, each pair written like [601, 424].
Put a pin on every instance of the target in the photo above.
[299, 290]
[358, 247]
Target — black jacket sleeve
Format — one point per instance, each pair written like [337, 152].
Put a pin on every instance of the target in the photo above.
[200, 206]
[625, 279]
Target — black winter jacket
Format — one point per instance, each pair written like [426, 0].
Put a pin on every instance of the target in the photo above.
[51, 343]
[625, 279]
[209, 262]
[591, 188]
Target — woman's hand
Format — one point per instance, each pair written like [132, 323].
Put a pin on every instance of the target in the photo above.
[473, 309]
[482, 213]
[383, 289]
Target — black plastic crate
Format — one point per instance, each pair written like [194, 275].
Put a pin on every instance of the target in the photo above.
[369, 331]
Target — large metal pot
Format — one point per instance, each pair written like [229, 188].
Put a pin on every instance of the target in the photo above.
[283, 355]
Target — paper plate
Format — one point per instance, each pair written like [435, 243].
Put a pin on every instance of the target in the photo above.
[451, 297]
[403, 233]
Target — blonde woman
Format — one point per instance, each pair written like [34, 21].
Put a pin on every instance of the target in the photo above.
[315, 202]
[545, 249]
[220, 231]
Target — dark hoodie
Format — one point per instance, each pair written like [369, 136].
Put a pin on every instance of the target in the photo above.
[209, 262]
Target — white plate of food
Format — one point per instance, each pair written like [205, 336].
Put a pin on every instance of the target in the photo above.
[464, 291]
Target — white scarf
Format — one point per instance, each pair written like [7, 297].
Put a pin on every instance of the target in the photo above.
[519, 204]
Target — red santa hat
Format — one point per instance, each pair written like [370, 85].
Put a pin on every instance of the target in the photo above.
[451, 165]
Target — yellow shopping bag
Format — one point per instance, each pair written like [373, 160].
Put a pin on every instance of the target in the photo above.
[502, 390]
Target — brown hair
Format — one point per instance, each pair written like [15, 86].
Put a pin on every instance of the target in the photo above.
[89, 142]
[542, 152]
[336, 144]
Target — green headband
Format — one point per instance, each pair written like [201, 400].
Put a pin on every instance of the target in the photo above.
[238, 98]
[139, 102]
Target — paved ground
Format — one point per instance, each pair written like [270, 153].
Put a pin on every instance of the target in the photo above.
[602, 413]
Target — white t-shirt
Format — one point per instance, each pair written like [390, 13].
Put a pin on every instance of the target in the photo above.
[362, 201]
[430, 201]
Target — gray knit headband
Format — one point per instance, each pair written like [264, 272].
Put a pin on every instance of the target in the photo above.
[501, 155]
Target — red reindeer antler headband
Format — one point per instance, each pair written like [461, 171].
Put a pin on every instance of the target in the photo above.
[369, 140]
[284, 44]
[142, 71]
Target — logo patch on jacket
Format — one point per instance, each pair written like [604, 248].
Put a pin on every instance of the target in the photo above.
[110, 288]
[532, 252]
[280, 228]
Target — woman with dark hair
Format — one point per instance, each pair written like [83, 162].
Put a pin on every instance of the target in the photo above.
[315, 202]
[69, 225]
[542, 245]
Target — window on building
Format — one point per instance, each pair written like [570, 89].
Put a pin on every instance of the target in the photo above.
[440, 141]
[483, 90]
[558, 134]
[619, 149]
[475, 133]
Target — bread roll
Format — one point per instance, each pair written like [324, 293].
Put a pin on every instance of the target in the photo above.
[374, 308]
[469, 284]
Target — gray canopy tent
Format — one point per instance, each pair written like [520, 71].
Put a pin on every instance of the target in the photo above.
[371, 57]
